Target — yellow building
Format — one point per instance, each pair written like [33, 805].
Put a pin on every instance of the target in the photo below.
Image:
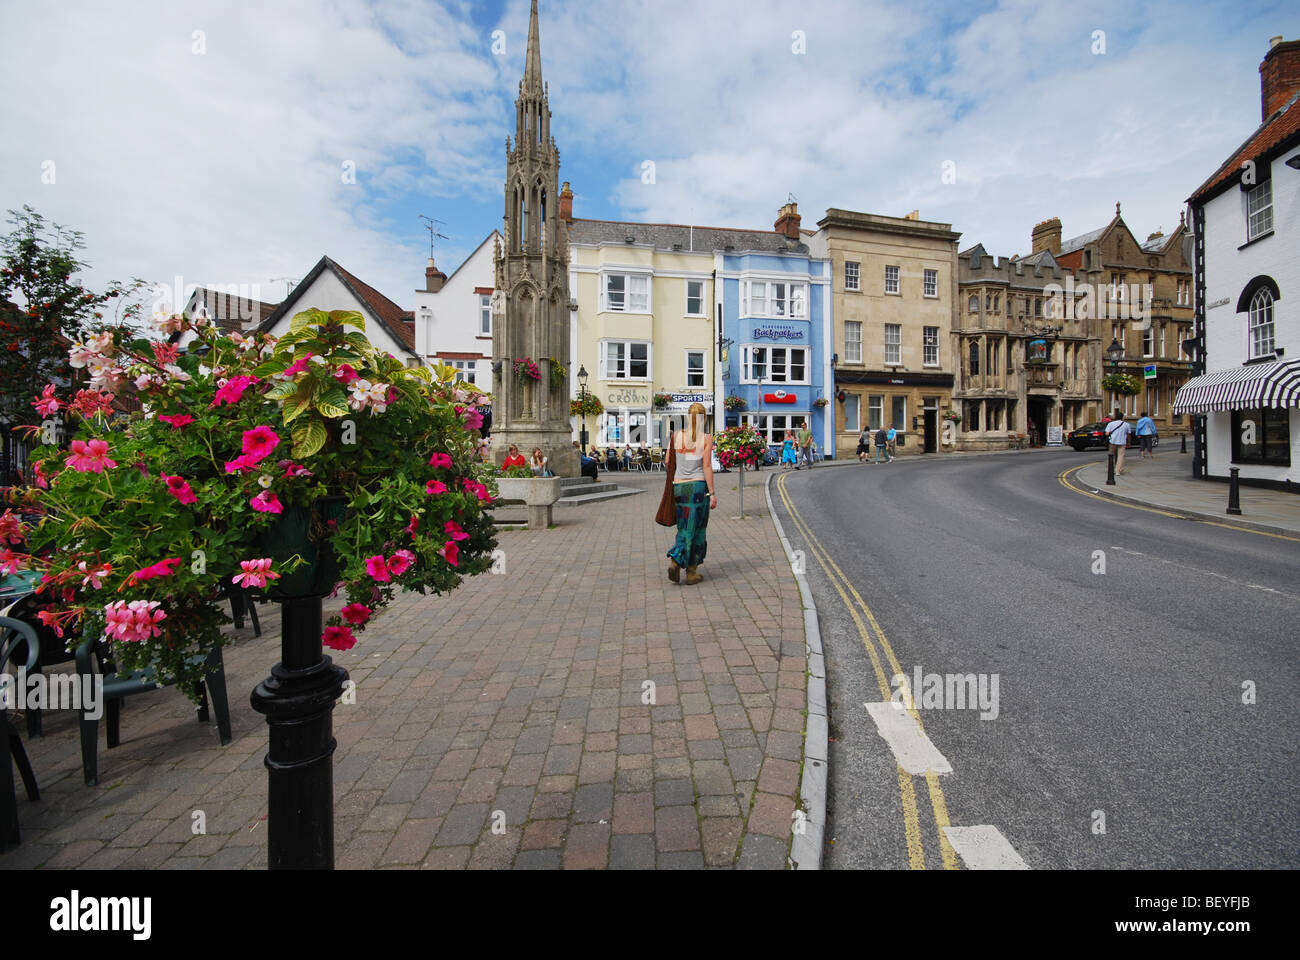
[642, 324]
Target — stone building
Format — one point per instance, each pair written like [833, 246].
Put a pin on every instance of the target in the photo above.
[1022, 365]
[894, 283]
[531, 315]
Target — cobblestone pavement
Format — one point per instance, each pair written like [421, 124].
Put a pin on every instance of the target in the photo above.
[502, 726]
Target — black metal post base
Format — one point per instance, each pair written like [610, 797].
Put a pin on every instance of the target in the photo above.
[1183, 447]
[1110, 469]
[1234, 493]
[298, 702]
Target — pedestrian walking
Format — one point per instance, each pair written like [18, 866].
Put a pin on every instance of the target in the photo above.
[882, 444]
[693, 495]
[805, 439]
[1146, 432]
[864, 445]
[1117, 431]
[892, 437]
[788, 454]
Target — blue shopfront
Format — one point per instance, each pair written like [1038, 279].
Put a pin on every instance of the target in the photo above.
[775, 329]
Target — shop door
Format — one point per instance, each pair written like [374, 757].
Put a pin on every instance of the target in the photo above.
[931, 431]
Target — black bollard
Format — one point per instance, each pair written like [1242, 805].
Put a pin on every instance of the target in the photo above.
[1110, 468]
[298, 702]
[1234, 493]
[1183, 447]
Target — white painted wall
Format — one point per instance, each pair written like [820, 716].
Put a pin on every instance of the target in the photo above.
[1227, 272]
[448, 321]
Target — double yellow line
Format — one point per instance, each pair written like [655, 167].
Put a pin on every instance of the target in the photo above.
[858, 609]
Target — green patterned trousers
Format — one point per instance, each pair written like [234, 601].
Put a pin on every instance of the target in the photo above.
[692, 501]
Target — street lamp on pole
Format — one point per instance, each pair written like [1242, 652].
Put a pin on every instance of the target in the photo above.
[582, 393]
[1114, 353]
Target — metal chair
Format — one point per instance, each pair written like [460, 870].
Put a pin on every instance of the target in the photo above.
[14, 633]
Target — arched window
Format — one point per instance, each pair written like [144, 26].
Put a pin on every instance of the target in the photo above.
[1261, 323]
[974, 358]
[974, 304]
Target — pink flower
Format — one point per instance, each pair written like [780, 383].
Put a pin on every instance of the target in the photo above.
[400, 562]
[90, 457]
[239, 463]
[41, 480]
[441, 461]
[232, 391]
[356, 613]
[92, 577]
[163, 568]
[9, 562]
[345, 374]
[377, 567]
[454, 530]
[165, 353]
[473, 418]
[46, 404]
[176, 420]
[11, 527]
[413, 526]
[451, 553]
[338, 638]
[435, 486]
[179, 489]
[256, 573]
[258, 444]
[88, 403]
[480, 491]
[266, 502]
[297, 367]
[292, 469]
[134, 621]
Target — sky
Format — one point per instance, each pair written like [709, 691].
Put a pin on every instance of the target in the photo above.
[238, 142]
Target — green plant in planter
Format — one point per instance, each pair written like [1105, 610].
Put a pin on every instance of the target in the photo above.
[516, 473]
[298, 466]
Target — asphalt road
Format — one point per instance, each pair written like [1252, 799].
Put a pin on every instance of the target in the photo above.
[1121, 738]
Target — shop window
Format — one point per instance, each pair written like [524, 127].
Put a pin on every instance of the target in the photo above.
[1262, 435]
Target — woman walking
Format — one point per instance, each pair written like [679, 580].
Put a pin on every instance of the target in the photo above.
[789, 451]
[693, 496]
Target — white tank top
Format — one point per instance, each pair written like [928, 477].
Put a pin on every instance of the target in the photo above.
[689, 467]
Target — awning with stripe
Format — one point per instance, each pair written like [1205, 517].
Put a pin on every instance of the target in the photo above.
[1275, 384]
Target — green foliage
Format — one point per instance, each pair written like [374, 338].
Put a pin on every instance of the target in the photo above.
[590, 405]
[1122, 383]
[739, 445]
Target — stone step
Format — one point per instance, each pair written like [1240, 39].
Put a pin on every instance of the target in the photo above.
[605, 492]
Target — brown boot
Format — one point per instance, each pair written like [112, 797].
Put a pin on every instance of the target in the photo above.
[692, 577]
[674, 571]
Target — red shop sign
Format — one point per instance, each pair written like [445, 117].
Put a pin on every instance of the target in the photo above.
[779, 397]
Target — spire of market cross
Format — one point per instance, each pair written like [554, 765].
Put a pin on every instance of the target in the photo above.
[530, 335]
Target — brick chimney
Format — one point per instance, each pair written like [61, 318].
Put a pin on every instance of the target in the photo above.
[1047, 236]
[433, 278]
[566, 203]
[788, 220]
[1279, 75]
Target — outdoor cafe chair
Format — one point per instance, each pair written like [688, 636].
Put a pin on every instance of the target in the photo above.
[14, 633]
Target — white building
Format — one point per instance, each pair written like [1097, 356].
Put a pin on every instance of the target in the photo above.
[329, 287]
[453, 316]
[1246, 222]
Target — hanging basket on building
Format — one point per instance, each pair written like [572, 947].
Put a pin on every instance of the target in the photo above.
[662, 400]
[558, 373]
[820, 402]
[1122, 383]
[952, 415]
[734, 403]
[526, 370]
[590, 406]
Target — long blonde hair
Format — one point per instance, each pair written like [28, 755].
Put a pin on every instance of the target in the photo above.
[696, 415]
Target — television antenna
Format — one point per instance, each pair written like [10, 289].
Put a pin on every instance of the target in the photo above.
[289, 283]
[434, 234]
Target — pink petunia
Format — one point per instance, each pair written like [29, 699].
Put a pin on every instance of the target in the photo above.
[47, 405]
[90, 457]
[453, 530]
[356, 613]
[266, 502]
[256, 573]
[472, 417]
[176, 420]
[435, 486]
[413, 526]
[338, 638]
[163, 568]
[377, 567]
[258, 444]
[240, 463]
[441, 461]
[400, 562]
[345, 374]
[179, 489]
[292, 469]
[232, 391]
[480, 491]
[451, 553]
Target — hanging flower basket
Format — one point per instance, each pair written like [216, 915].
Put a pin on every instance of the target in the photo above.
[526, 370]
[952, 416]
[662, 400]
[557, 374]
[1122, 383]
[739, 446]
[734, 403]
[300, 535]
[591, 406]
[820, 402]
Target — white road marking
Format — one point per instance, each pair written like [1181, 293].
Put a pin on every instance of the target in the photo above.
[984, 848]
[911, 747]
[1208, 573]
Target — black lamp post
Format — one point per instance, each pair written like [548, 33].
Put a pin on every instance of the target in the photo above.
[582, 393]
[1114, 353]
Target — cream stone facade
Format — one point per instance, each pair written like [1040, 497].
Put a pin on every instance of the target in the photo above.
[894, 287]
